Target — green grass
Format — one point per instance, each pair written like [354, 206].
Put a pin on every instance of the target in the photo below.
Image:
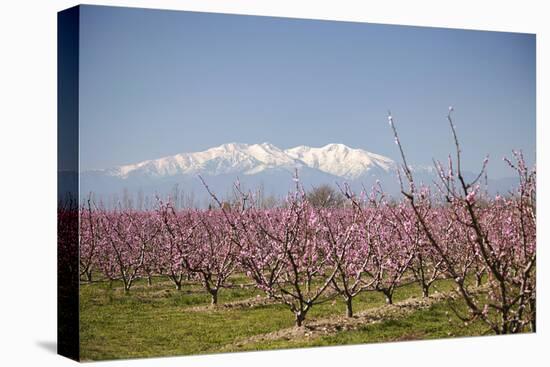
[161, 321]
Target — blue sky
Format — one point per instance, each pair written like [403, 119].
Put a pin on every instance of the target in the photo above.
[156, 83]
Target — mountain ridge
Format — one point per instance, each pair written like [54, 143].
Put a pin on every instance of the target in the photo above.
[335, 159]
[257, 166]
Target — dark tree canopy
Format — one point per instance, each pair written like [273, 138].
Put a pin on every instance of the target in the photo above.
[325, 196]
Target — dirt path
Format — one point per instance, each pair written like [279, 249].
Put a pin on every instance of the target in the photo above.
[335, 324]
[244, 303]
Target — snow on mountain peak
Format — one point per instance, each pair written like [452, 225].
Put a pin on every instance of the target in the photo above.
[238, 158]
[340, 160]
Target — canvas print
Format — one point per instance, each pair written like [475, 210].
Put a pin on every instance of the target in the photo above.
[238, 183]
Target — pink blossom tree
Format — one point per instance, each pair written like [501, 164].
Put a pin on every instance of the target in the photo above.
[174, 243]
[509, 304]
[128, 236]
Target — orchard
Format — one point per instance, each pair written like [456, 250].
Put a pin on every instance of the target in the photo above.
[301, 256]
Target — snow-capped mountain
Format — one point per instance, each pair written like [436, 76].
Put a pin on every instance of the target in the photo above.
[256, 166]
[340, 160]
[243, 159]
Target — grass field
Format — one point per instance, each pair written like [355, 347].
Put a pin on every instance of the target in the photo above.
[158, 320]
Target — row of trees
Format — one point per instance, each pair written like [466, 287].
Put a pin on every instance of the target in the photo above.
[185, 197]
[302, 253]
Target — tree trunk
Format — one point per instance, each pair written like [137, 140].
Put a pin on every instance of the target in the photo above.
[349, 307]
[127, 285]
[178, 286]
[214, 295]
[300, 317]
[89, 276]
[389, 298]
[149, 280]
[425, 290]
[478, 280]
